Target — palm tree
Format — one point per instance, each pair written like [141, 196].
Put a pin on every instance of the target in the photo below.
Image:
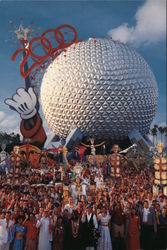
[156, 129]
[154, 134]
[161, 131]
[165, 130]
[155, 126]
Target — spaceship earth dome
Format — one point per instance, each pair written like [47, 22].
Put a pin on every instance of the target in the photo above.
[101, 86]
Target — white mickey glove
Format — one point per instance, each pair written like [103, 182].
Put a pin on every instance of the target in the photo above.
[24, 102]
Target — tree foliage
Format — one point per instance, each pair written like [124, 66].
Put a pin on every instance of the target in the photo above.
[11, 139]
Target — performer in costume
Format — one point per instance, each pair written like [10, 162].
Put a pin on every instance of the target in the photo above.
[160, 167]
[115, 162]
[15, 165]
[78, 187]
[85, 185]
[116, 159]
[77, 170]
[93, 148]
[18, 234]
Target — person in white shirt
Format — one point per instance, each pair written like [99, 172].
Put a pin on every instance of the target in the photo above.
[45, 234]
[98, 180]
[145, 214]
[5, 224]
[70, 206]
[85, 184]
[104, 243]
[148, 226]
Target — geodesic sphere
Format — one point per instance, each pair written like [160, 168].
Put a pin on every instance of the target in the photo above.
[102, 87]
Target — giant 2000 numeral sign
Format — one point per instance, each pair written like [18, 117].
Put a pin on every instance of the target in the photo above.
[47, 46]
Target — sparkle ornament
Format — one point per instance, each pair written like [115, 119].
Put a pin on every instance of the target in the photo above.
[20, 36]
[21, 32]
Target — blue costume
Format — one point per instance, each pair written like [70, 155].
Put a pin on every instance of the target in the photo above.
[18, 242]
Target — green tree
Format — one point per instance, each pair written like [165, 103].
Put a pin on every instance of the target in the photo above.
[11, 139]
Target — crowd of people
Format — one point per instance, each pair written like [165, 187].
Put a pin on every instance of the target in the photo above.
[82, 206]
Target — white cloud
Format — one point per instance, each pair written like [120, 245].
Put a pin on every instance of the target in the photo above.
[2, 114]
[150, 25]
[9, 123]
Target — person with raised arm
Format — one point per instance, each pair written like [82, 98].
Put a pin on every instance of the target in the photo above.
[90, 224]
[45, 231]
[104, 242]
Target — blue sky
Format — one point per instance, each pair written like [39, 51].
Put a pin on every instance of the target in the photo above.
[127, 21]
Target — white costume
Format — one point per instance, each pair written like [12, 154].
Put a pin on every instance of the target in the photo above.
[85, 184]
[104, 242]
[4, 239]
[73, 190]
[99, 181]
[44, 236]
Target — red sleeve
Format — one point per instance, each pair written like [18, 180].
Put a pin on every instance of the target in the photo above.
[37, 133]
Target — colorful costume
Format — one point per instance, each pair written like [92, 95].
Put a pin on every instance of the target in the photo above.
[18, 237]
[160, 167]
[15, 165]
[115, 162]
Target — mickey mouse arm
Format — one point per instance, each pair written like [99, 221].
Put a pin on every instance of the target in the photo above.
[26, 104]
[33, 129]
